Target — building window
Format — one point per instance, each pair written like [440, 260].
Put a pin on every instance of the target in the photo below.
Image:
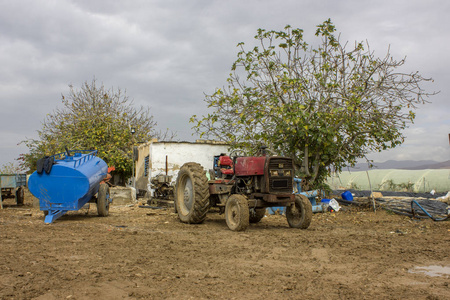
[146, 163]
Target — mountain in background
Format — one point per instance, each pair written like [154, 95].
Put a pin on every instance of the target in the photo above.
[404, 164]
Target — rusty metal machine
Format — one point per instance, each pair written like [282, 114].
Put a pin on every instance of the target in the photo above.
[242, 187]
[161, 184]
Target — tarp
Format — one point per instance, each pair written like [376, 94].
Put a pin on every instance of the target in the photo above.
[417, 181]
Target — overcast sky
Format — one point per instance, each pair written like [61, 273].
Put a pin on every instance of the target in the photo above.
[168, 54]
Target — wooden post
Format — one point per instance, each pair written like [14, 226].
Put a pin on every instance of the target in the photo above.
[167, 165]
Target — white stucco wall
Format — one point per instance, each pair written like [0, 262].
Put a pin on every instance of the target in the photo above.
[179, 153]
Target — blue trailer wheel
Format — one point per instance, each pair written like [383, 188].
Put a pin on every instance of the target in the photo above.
[19, 196]
[103, 200]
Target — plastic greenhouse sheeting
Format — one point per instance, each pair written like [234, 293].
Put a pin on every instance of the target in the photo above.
[417, 181]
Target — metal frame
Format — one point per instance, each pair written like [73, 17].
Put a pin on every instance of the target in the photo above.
[11, 181]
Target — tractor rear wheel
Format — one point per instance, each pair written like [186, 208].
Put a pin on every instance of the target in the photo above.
[299, 213]
[256, 214]
[192, 193]
[237, 212]
[103, 200]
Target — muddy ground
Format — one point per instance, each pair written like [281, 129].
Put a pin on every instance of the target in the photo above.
[142, 253]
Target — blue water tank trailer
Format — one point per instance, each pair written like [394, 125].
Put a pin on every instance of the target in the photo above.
[67, 181]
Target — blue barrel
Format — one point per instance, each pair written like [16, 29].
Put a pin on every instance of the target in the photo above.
[347, 196]
[69, 184]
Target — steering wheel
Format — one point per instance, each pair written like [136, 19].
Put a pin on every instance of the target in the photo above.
[237, 152]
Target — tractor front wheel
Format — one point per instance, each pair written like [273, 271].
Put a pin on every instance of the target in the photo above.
[103, 200]
[237, 212]
[256, 214]
[299, 213]
[192, 193]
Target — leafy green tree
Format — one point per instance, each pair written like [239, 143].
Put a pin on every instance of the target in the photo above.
[324, 106]
[94, 118]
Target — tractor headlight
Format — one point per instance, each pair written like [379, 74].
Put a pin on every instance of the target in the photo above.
[285, 173]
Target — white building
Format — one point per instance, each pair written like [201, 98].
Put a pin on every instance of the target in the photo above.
[156, 158]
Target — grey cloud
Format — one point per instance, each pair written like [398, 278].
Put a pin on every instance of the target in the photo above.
[167, 54]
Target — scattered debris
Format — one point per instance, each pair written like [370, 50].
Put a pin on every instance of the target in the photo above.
[445, 199]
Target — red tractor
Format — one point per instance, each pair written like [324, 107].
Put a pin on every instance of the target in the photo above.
[242, 187]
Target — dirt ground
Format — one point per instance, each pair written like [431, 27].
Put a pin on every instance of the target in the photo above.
[142, 253]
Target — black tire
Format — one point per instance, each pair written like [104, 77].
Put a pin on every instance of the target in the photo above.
[175, 206]
[256, 214]
[20, 196]
[192, 193]
[237, 212]
[299, 214]
[103, 200]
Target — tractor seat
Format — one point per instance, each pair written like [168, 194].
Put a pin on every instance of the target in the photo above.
[226, 165]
